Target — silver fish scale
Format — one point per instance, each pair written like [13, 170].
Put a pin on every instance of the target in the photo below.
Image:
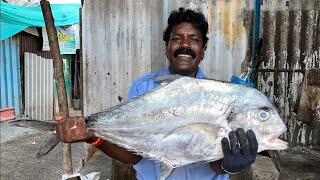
[182, 122]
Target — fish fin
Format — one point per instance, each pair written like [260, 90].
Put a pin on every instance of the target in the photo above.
[199, 128]
[166, 170]
[34, 124]
[48, 144]
[166, 79]
[162, 79]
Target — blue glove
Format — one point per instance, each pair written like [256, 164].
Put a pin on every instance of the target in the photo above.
[241, 153]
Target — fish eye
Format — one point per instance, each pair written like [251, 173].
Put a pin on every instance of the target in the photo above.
[263, 115]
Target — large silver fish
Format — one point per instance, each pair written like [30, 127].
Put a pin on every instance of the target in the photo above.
[184, 121]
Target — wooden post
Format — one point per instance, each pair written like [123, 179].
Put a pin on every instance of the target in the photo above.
[59, 77]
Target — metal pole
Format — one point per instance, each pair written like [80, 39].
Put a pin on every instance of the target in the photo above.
[59, 77]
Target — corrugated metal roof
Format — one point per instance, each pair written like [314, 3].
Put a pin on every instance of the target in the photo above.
[38, 87]
[10, 75]
[291, 34]
[32, 44]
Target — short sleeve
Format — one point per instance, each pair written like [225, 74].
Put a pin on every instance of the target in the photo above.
[133, 92]
[147, 169]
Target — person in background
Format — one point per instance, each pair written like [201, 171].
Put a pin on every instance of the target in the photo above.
[185, 42]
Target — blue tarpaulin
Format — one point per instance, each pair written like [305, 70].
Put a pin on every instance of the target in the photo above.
[17, 18]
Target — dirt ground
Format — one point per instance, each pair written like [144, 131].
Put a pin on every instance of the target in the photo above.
[18, 159]
[300, 163]
[18, 149]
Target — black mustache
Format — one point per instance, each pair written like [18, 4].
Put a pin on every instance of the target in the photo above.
[184, 51]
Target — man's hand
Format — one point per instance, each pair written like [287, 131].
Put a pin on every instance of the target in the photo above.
[72, 129]
[242, 151]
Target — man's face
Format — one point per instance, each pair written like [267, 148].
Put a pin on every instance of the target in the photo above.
[185, 49]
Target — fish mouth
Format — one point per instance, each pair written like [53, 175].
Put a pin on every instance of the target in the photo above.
[278, 143]
[276, 136]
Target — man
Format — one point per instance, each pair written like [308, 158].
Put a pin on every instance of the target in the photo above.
[185, 41]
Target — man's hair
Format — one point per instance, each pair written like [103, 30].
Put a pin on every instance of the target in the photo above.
[197, 20]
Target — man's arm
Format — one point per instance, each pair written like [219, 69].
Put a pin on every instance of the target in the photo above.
[74, 130]
[119, 153]
[239, 155]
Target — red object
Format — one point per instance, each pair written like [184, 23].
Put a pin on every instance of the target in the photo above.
[97, 143]
[7, 113]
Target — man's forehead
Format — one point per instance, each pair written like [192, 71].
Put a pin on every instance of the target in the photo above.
[185, 28]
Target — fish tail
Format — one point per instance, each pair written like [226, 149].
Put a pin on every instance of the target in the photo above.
[48, 144]
[51, 139]
[35, 124]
